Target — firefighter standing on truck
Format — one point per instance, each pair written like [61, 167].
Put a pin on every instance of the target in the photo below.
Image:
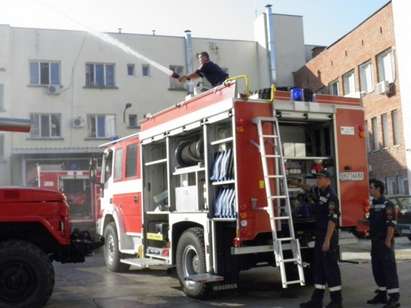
[326, 212]
[208, 69]
[382, 228]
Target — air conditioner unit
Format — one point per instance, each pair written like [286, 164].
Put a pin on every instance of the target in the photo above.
[382, 87]
[78, 122]
[54, 89]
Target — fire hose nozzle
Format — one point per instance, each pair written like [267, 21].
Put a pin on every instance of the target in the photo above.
[175, 75]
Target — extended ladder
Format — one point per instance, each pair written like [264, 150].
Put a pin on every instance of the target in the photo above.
[278, 201]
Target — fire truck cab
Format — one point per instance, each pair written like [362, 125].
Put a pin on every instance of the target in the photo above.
[189, 189]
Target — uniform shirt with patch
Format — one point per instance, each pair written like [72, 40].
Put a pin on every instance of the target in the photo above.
[325, 207]
[213, 73]
[382, 216]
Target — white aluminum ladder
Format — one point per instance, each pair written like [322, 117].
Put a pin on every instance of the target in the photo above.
[281, 206]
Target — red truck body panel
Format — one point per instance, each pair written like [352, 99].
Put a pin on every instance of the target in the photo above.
[49, 208]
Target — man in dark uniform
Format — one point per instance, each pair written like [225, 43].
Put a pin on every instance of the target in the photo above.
[326, 270]
[208, 70]
[382, 228]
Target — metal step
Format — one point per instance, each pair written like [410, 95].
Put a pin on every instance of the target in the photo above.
[204, 278]
[144, 262]
[290, 260]
[281, 217]
[285, 239]
[279, 197]
[270, 136]
[272, 176]
[271, 156]
[293, 282]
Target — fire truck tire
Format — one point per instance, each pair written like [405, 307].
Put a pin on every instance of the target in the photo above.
[112, 254]
[190, 259]
[26, 275]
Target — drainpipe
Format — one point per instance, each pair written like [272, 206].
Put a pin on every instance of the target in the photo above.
[188, 44]
[270, 44]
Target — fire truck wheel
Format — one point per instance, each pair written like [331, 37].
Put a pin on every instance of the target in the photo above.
[190, 260]
[26, 275]
[112, 254]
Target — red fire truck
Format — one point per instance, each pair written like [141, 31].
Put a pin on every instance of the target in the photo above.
[210, 185]
[34, 231]
[80, 192]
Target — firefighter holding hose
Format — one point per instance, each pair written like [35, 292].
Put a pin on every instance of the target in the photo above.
[208, 70]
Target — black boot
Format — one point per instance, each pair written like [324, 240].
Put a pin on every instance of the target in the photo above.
[311, 304]
[334, 305]
[393, 302]
[380, 298]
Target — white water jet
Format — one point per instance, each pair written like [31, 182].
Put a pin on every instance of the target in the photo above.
[111, 40]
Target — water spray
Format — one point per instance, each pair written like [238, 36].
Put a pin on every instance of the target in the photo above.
[114, 42]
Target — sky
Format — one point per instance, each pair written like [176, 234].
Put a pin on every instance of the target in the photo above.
[324, 20]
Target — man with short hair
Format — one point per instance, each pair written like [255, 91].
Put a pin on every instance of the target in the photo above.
[208, 70]
[326, 270]
[382, 228]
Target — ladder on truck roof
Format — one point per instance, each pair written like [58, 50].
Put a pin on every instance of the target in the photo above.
[277, 194]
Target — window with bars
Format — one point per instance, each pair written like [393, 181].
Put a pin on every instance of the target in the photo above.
[100, 75]
[101, 126]
[384, 129]
[374, 134]
[45, 125]
[395, 127]
[44, 73]
[175, 84]
[146, 70]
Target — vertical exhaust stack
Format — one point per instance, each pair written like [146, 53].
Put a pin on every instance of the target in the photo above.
[270, 44]
[188, 44]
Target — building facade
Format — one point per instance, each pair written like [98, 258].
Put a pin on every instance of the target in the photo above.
[80, 91]
[363, 63]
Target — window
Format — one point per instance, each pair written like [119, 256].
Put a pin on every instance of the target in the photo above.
[384, 129]
[131, 160]
[100, 75]
[395, 127]
[118, 164]
[1, 97]
[175, 84]
[374, 133]
[366, 77]
[1, 146]
[146, 71]
[334, 88]
[349, 84]
[130, 69]
[403, 185]
[132, 121]
[385, 62]
[45, 125]
[44, 73]
[101, 125]
[392, 185]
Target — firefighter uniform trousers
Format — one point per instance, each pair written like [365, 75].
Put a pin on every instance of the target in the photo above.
[326, 269]
[384, 267]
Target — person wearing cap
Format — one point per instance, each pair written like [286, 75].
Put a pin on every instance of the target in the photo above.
[326, 271]
[208, 70]
[382, 228]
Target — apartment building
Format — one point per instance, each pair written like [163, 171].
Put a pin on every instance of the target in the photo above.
[81, 92]
[363, 63]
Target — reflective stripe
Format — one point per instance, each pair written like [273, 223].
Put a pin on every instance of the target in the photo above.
[390, 291]
[333, 289]
[382, 289]
[378, 206]
[319, 286]
[323, 199]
